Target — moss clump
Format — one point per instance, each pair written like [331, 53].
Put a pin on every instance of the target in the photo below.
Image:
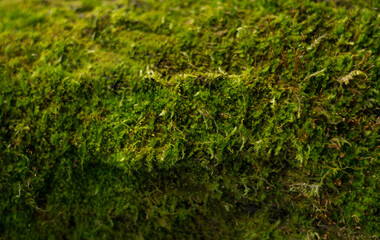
[189, 119]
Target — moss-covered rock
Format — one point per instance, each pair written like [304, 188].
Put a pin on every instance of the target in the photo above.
[189, 119]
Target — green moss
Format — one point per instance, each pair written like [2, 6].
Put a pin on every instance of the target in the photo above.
[189, 119]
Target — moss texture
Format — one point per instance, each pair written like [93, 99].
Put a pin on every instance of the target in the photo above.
[174, 119]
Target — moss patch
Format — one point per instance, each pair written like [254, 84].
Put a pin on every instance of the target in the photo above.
[189, 119]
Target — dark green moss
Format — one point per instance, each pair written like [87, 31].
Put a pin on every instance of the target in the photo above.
[189, 119]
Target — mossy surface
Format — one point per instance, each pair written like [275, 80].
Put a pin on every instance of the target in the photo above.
[148, 119]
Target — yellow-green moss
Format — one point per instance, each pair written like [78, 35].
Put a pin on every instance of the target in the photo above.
[189, 119]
